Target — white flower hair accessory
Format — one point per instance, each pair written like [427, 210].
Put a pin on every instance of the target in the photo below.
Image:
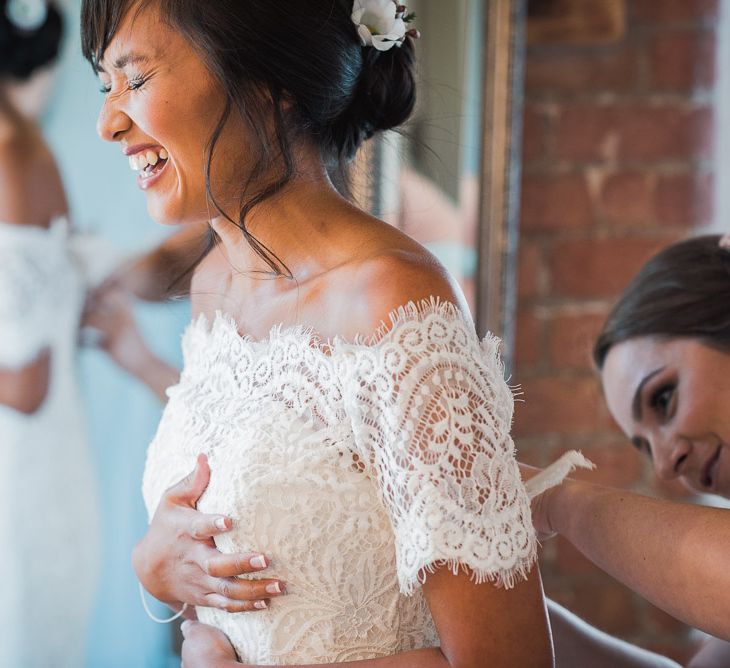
[382, 23]
[28, 15]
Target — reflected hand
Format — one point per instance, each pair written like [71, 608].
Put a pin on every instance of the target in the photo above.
[205, 647]
[177, 561]
[109, 311]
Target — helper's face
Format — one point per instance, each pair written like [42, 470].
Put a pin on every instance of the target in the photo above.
[672, 399]
[162, 105]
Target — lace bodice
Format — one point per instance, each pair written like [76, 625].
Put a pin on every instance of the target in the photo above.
[358, 467]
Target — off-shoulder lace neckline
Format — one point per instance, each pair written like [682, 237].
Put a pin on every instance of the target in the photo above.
[223, 324]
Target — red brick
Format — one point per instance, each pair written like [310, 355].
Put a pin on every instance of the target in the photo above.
[618, 464]
[534, 130]
[555, 202]
[666, 133]
[588, 268]
[530, 268]
[571, 339]
[531, 455]
[528, 340]
[685, 199]
[627, 198]
[558, 405]
[673, 11]
[605, 604]
[634, 132]
[581, 69]
[682, 61]
[587, 132]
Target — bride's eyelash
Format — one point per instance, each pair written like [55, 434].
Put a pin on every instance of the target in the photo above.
[133, 83]
[136, 82]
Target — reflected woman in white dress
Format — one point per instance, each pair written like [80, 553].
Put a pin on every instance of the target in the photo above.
[356, 429]
[48, 518]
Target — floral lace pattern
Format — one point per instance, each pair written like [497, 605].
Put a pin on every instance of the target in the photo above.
[358, 467]
[34, 273]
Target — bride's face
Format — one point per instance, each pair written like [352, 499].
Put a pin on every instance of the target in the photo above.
[162, 105]
[672, 398]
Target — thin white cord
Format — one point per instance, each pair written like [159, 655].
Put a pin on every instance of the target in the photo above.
[153, 617]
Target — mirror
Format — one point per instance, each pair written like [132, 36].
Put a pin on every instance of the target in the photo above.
[450, 179]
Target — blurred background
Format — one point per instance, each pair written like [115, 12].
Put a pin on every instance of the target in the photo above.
[601, 146]
[104, 199]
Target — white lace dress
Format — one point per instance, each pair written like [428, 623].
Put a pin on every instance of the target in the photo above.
[49, 555]
[357, 467]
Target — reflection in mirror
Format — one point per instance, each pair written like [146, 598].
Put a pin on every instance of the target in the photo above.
[426, 179]
[444, 181]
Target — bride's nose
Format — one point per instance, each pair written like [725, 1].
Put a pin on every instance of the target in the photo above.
[112, 121]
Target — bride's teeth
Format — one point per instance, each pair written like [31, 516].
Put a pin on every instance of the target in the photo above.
[133, 163]
[163, 154]
[152, 158]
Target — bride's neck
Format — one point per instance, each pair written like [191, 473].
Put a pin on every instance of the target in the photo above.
[290, 224]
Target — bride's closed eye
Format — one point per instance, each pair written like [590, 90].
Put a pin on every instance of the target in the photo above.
[133, 83]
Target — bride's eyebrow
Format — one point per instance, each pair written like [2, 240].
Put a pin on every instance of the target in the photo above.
[130, 58]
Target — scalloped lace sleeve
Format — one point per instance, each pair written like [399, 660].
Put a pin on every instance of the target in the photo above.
[431, 413]
[25, 302]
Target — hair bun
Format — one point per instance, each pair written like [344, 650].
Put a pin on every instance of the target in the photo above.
[23, 52]
[384, 98]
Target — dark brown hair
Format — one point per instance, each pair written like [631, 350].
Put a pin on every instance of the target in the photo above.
[682, 292]
[22, 52]
[303, 56]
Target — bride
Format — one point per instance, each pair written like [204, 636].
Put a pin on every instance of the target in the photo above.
[356, 429]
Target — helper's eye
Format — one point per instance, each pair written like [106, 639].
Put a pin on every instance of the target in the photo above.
[661, 399]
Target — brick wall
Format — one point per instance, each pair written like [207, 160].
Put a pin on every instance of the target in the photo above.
[617, 163]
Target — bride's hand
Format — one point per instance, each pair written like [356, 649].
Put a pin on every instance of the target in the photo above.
[206, 647]
[177, 561]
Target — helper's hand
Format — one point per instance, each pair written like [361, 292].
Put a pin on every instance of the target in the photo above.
[539, 505]
[206, 647]
[109, 311]
[177, 561]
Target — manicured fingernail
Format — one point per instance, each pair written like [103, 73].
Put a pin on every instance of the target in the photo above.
[221, 523]
[185, 626]
[260, 605]
[259, 561]
[273, 588]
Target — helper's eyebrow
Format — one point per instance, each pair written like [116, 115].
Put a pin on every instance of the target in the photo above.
[636, 402]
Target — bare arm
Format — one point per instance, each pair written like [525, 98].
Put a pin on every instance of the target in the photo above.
[110, 313]
[675, 555]
[478, 625]
[25, 390]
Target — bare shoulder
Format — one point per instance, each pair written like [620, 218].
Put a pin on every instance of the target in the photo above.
[31, 190]
[393, 278]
